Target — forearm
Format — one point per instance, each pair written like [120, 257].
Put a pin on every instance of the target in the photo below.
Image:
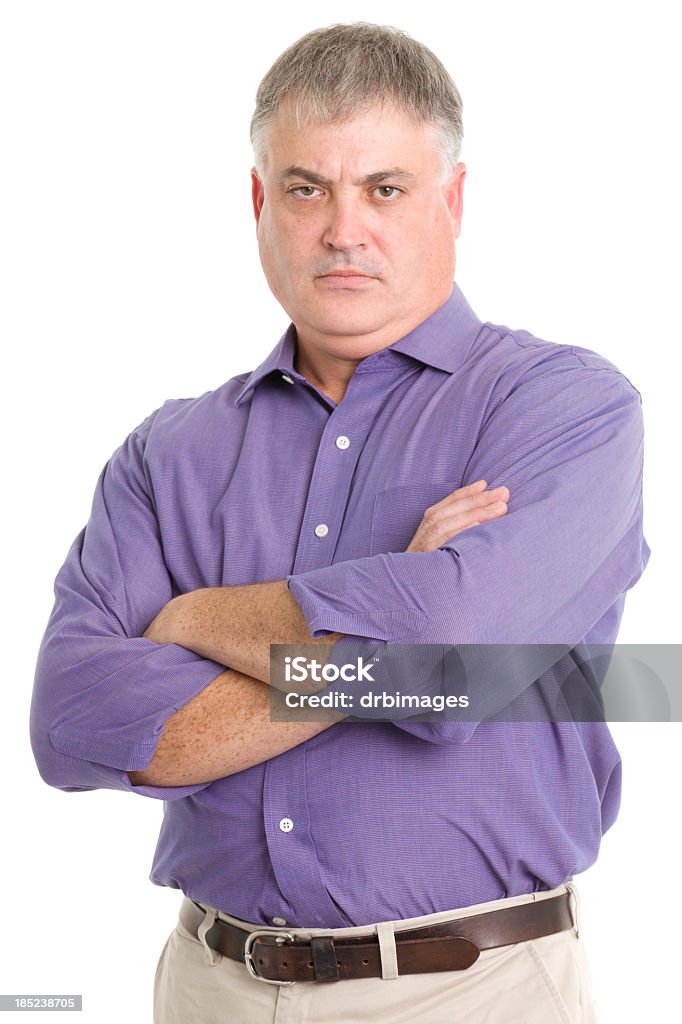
[235, 625]
[223, 730]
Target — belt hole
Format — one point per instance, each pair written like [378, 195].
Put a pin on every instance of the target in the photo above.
[284, 963]
[310, 963]
[365, 962]
[338, 963]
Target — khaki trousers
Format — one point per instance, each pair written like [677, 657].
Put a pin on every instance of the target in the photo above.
[544, 981]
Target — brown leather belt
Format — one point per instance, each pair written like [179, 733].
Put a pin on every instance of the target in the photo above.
[281, 956]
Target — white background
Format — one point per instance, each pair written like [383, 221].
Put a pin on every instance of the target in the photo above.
[130, 275]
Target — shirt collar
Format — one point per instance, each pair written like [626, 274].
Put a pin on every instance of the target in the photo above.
[280, 360]
[442, 340]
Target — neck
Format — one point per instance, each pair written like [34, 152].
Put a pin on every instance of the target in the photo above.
[330, 374]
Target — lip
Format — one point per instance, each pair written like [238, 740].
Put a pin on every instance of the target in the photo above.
[345, 279]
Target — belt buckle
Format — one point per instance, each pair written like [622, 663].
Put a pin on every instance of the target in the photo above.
[249, 959]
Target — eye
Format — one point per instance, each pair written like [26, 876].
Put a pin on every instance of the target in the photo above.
[304, 191]
[386, 192]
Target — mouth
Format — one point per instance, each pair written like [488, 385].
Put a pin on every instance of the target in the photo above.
[345, 279]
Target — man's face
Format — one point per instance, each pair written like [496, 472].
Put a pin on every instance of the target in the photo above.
[363, 196]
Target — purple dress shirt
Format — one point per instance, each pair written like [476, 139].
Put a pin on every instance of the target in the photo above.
[265, 478]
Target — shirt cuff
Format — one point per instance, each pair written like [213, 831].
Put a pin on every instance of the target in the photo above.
[167, 793]
[118, 721]
[342, 598]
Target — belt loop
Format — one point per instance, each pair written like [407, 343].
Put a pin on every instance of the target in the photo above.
[325, 966]
[575, 907]
[387, 950]
[212, 955]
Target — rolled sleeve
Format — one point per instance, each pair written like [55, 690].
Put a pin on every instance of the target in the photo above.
[102, 692]
[568, 443]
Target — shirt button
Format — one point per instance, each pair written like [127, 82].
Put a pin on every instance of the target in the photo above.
[342, 442]
[286, 377]
[321, 530]
[286, 825]
[279, 921]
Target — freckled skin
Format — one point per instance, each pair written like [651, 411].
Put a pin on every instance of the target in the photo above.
[224, 729]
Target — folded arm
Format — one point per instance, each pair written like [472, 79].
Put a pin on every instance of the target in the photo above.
[108, 700]
[236, 625]
[225, 729]
[227, 726]
[568, 442]
[112, 707]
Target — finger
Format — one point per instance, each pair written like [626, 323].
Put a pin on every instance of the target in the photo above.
[463, 500]
[487, 497]
[453, 525]
[430, 536]
[478, 485]
[476, 498]
[469, 491]
[490, 511]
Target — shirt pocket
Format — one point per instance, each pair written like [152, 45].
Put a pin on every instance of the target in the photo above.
[398, 511]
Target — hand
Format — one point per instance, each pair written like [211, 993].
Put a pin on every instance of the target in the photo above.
[465, 507]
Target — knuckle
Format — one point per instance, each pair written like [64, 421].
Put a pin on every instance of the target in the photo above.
[432, 532]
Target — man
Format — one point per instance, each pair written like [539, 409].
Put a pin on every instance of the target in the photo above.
[394, 472]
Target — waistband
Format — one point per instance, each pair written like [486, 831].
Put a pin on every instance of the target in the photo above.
[404, 923]
[445, 941]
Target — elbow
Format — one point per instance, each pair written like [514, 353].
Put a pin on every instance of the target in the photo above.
[46, 758]
[45, 764]
[55, 769]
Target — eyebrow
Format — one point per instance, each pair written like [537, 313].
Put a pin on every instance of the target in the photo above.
[393, 173]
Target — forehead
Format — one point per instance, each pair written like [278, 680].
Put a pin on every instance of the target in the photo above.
[379, 136]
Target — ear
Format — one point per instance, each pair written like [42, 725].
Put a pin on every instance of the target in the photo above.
[454, 196]
[257, 194]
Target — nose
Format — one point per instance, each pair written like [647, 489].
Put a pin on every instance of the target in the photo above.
[345, 228]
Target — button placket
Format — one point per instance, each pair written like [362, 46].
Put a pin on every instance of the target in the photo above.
[292, 854]
[300, 877]
[330, 483]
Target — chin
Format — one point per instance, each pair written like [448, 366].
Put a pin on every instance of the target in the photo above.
[347, 327]
[347, 315]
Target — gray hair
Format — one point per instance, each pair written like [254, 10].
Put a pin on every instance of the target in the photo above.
[334, 73]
